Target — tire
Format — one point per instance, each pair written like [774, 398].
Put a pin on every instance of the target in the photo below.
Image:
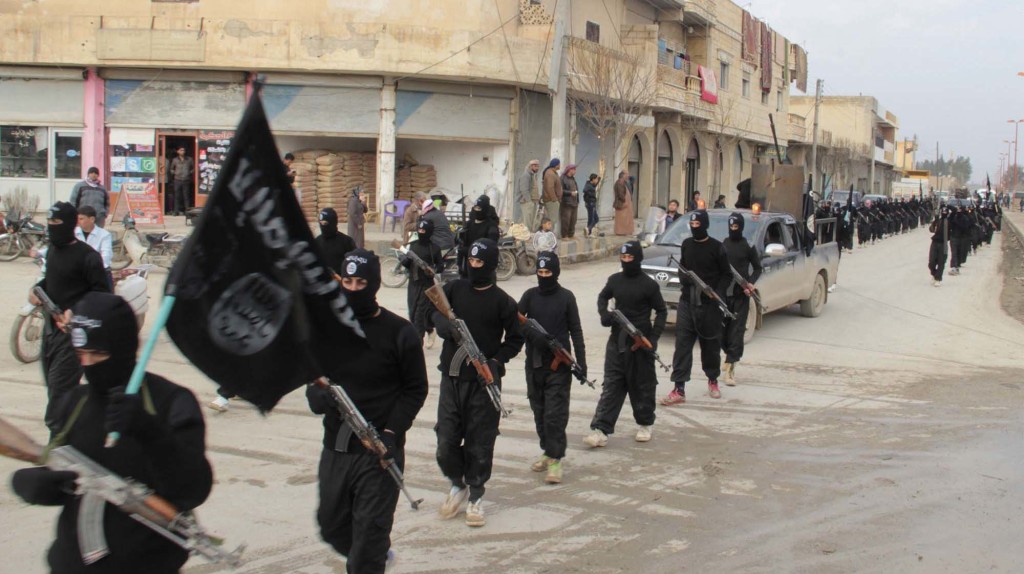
[752, 312]
[392, 273]
[506, 265]
[121, 258]
[27, 336]
[526, 263]
[10, 248]
[812, 306]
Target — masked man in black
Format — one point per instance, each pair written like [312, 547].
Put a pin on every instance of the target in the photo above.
[388, 384]
[482, 224]
[467, 422]
[420, 308]
[698, 317]
[939, 229]
[333, 243]
[745, 260]
[554, 307]
[73, 268]
[628, 372]
[162, 444]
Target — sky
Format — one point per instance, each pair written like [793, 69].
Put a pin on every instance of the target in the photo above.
[946, 68]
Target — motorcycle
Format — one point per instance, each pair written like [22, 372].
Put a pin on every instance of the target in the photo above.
[21, 236]
[395, 275]
[26, 339]
[160, 249]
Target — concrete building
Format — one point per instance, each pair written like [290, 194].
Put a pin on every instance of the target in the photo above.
[861, 142]
[464, 87]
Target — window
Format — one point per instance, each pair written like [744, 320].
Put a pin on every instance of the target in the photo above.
[778, 101]
[746, 85]
[593, 32]
[723, 76]
[764, 98]
[23, 151]
[67, 155]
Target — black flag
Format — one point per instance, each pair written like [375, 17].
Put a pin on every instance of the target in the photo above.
[257, 310]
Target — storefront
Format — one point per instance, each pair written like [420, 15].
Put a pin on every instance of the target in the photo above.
[41, 123]
[150, 114]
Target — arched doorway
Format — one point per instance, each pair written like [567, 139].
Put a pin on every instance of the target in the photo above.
[692, 169]
[737, 170]
[665, 161]
[635, 162]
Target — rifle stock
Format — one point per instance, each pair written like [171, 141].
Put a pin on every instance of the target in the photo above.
[560, 353]
[639, 340]
[49, 306]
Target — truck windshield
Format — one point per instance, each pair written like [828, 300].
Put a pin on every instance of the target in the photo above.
[680, 230]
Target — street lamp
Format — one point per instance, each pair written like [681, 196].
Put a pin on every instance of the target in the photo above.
[1016, 134]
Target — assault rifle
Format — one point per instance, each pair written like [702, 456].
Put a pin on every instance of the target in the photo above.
[562, 355]
[468, 351]
[366, 433]
[98, 486]
[417, 261]
[743, 283]
[704, 287]
[639, 340]
[49, 306]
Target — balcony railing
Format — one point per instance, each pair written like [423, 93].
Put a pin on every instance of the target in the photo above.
[797, 128]
[680, 92]
[700, 12]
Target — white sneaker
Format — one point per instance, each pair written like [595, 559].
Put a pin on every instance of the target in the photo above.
[643, 434]
[219, 404]
[542, 464]
[936, 283]
[596, 439]
[475, 514]
[453, 503]
[431, 339]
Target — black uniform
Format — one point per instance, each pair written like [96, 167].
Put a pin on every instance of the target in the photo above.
[388, 384]
[937, 251]
[420, 307]
[483, 224]
[333, 243]
[745, 260]
[959, 233]
[467, 422]
[629, 372]
[73, 269]
[554, 307]
[698, 317]
[162, 445]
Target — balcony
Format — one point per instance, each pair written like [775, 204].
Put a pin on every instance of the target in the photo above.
[680, 92]
[699, 12]
[797, 129]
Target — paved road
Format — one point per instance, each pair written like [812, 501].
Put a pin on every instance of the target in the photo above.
[882, 436]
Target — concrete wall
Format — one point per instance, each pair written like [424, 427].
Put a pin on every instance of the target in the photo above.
[461, 165]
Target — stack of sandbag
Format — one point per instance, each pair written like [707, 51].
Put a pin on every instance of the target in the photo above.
[370, 179]
[305, 167]
[409, 180]
[337, 175]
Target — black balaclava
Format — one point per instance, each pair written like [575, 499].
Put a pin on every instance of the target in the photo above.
[632, 269]
[365, 265]
[63, 234]
[482, 208]
[424, 230]
[736, 219]
[487, 251]
[548, 260]
[104, 322]
[328, 222]
[700, 232]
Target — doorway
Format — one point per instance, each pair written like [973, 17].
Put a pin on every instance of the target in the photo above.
[665, 160]
[167, 149]
[692, 169]
[633, 167]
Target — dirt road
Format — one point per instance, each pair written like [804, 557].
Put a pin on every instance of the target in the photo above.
[883, 436]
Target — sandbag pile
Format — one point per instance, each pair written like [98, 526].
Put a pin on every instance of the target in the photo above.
[305, 167]
[409, 180]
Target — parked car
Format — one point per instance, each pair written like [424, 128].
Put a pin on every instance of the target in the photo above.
[790, 276]
[841, 195]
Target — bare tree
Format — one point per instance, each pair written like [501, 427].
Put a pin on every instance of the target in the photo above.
[610, 91]
[840, 158]
[727, 129]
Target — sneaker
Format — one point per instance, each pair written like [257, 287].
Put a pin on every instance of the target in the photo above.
[219, 404]
[713, 390]
[431, 339]
[542, 464]
[554, 472]
[453, 503]
[475, 514]
[936, 283]
[674, 397]
[643, 434]
[727, 374]
[596, 439]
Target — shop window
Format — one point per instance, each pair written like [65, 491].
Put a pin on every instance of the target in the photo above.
[67, 155]
[593, 32]
[23, 151]
[723, 76]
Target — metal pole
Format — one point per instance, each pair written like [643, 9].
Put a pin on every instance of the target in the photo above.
[1016, 133]
[557, 81]
[814, 140]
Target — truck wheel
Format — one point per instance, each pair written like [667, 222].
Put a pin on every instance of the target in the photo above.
[812, 306]
[752, 312]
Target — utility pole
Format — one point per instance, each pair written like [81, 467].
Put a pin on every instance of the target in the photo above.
[558, 81]
[814, 139]
[1016, 133]
[871, 180]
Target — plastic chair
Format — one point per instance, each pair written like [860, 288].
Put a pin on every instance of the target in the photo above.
[395, 213]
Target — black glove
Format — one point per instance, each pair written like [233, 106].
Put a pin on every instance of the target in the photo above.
[582, 371]
[320, 400]
[43, 486]
[390, 443]
[606, 319]
[443, 326]
[497, 368]
[126, 415]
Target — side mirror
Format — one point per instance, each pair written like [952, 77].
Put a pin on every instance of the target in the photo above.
[775, 250]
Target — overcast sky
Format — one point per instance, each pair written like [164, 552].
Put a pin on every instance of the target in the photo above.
[946, 68]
